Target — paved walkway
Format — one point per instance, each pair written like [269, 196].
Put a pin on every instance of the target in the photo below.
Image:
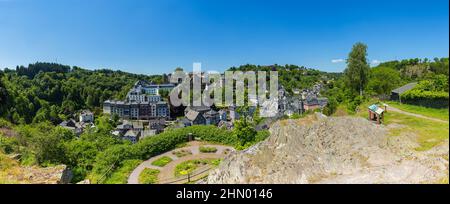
[167, 172]
[390, 108]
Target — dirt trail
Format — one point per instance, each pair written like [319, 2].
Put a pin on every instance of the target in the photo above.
[390, 108]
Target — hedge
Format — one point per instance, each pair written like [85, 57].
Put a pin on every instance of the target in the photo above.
[433, 99]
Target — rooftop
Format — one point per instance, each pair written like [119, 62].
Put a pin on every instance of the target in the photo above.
[404, 88]
[192, 115]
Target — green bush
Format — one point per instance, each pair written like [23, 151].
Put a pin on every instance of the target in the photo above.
[190, 166]
[163, 161]
[181, 153]
[432, 92]
[4, 123]
[149, 176]
[204, 149]
[262, 135]
[7, 144]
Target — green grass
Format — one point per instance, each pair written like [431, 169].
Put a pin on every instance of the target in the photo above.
[429, 133]
[149, 176]
[429, 112]
[204, 149]
[163, 161]
[120, 176]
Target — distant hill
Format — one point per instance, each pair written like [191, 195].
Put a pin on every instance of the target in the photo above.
[53, 91]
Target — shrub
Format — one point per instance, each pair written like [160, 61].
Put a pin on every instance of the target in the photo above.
[149, 176]
[163, 161]
[4, 123]
[181, 153]
[216, 162]
[432, 92]
[204, 149]
[7, 144]
[188, 167]
[262, 135]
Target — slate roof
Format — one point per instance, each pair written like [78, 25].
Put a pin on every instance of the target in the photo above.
[211, 113]
[404, 88]
[138, 125]
[130, 133]
[198, 108]
[311, 101]
[86, 112]
[192, 115]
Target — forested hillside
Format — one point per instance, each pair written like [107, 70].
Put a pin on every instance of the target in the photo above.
[53, 92]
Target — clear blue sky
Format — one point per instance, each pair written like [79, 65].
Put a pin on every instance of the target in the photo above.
[156, 36]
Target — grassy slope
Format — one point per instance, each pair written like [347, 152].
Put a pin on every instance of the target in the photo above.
[120, 176]
[429, 133]
[430, 112]
[8, 167]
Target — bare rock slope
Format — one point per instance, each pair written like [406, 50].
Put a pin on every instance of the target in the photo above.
[331, 150]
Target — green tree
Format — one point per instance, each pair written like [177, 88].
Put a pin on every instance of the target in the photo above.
[331, 106]
[81, 157]
[383, 80]
[48, 143]
[3, 95]
[357, 71]
[244, 131]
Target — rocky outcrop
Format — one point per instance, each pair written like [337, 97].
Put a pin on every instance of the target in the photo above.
[12, 172]
[49, 175]
[328, 150]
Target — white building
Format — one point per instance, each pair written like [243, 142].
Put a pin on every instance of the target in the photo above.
[86, 116]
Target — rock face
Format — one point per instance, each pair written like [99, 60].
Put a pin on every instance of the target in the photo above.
[328, 150]
[49, 175]
[12, 172]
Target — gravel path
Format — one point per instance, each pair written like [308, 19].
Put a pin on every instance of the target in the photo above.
[167, 172]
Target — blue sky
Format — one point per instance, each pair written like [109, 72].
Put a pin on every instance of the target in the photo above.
[158, 35]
